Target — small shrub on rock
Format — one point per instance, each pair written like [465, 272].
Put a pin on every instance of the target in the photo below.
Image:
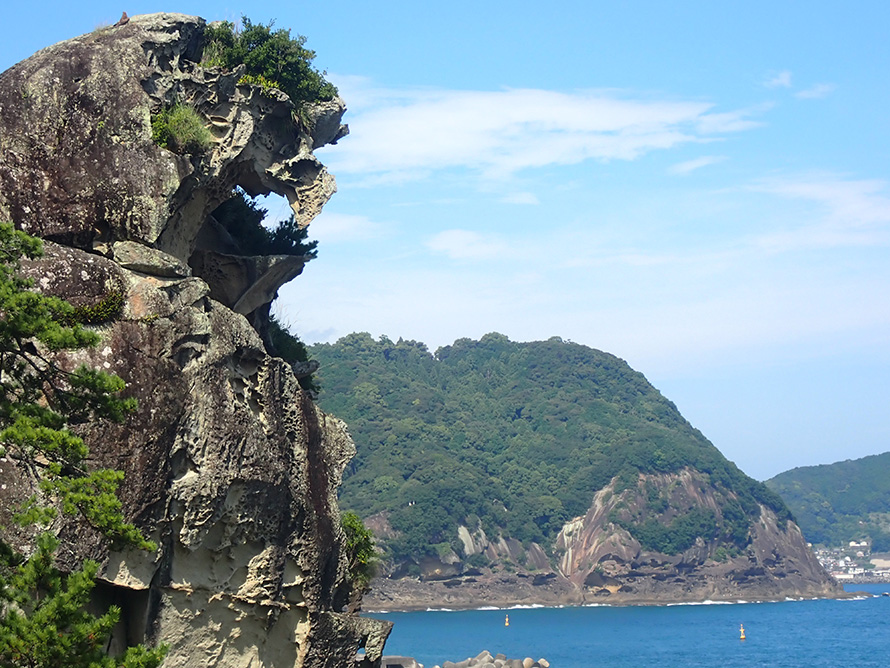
[261, 81]
[359, 549]
[271, 58]
[107, 309]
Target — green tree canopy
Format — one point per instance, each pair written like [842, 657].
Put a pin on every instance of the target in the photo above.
[515, 436]
[271, 57]
[43, 619]
[840, 502]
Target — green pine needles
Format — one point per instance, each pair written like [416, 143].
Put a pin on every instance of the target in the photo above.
[273, 59]
[45, 623]
[243, 219]
[43, 619]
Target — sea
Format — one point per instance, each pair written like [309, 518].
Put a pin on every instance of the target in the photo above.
[787, 634]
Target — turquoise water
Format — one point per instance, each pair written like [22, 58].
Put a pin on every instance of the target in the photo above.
[788, 635]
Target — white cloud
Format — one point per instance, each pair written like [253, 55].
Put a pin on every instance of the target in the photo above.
[521, 198]
[852, 202]
[689, 166]
[469, 245]
[732, 121]
[331, 228]
[405, 134]
[780, 80]
[816, 92]
[850, 212]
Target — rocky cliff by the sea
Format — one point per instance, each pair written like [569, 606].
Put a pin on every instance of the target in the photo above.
[601, 562]
[230, 466]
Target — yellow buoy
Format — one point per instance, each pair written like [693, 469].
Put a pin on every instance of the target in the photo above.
[741, 631]
[507, 620]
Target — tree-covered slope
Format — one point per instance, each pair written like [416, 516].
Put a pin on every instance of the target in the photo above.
[516, 437]
[837, 503]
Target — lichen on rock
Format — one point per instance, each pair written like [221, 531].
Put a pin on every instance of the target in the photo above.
[229, 465]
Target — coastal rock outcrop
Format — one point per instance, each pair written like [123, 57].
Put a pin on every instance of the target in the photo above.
[607, 563]
[482, 660]
[79, 165]
[230, 466]
[600, 561]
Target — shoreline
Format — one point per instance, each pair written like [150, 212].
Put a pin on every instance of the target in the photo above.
[852, 595]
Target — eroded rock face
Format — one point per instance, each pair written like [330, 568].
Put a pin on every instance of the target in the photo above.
[607, 563]
[77, 160]
[229, 465]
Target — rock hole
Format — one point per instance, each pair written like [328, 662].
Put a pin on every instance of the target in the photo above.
[189, 347]
[133, 624]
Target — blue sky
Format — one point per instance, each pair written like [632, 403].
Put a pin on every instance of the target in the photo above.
[702, 190]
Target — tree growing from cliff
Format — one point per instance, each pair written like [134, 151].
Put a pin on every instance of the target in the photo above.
[43, 620]
[361, 555]
[243, 219]
[359, 549]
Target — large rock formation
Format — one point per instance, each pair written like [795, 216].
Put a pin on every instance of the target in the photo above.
[607, 563]
[229, 465]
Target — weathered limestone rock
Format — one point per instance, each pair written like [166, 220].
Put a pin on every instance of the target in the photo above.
[136, 256]
[229, 465]
[244, 283]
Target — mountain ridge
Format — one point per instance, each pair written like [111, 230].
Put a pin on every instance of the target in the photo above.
[840, 502]
[479, 455]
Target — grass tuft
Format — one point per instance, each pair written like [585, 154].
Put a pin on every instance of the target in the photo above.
[180, 129]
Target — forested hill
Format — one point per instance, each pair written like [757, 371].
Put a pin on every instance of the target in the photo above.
[515, 437]
[837, 503]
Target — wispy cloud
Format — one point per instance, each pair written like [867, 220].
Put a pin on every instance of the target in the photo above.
[816, 92]
[689, 166]
[413, 133]
[779, 80]
[850, 212]
[731, 121]
[468, 245]
[330, 228]
[521, 198]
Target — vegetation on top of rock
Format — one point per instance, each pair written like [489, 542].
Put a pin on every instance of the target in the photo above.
[243, 219]
[515, 437]
[840, 502]
[258, 80]
[43, 621]
[180, 129]
[107, 309]
[271, 58]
